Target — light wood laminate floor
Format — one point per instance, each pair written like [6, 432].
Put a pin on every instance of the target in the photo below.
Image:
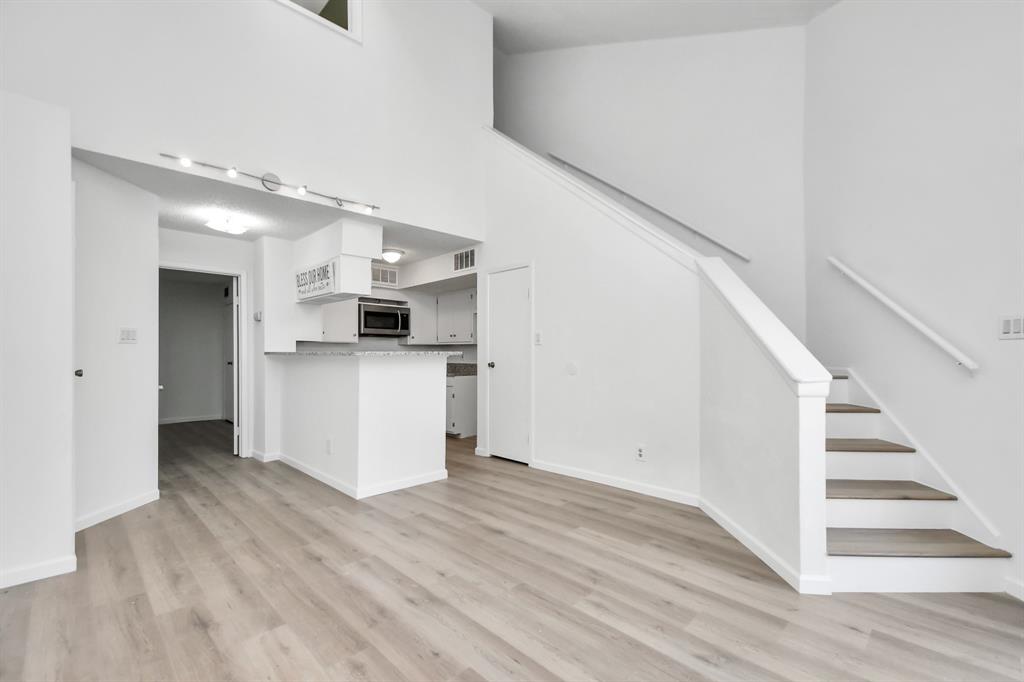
[247, 571]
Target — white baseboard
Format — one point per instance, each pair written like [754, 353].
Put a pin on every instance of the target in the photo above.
[361, 492]
[101, 515]
[634, 486]
[1015, 588]
[182, 420]
[399, 484]
[805, 584]
[325, 478]
[481, 452]
[43, 569]
[261, 456]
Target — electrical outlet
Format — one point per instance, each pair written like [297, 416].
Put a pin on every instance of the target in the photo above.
[641, 456]
[330, 446]
[1011, 327]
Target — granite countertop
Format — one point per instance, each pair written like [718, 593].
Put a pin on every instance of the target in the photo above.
[462, 369]
[369, 353]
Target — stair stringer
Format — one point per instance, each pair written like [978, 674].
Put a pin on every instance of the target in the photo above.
[965, 516]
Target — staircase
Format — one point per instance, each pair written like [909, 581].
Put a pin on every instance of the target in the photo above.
[890, 514]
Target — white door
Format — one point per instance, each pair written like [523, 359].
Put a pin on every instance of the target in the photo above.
[508, 363]
[230, 362]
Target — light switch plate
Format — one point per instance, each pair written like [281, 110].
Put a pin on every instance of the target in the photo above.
[127, 335]
[1011, 327]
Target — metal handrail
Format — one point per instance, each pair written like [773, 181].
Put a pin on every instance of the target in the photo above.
[958, 355]
[675, 220]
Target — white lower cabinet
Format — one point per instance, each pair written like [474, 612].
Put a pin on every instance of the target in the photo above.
[460, 406]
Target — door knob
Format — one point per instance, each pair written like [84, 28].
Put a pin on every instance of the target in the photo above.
[491, 365]
[79, 373]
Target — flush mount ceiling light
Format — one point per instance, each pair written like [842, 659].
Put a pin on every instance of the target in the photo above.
[272, 183]
[392, 255]
[228, 223]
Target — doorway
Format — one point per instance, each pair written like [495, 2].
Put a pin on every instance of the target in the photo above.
[199, 353]
[509, 363]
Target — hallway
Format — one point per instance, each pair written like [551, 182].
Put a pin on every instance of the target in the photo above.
[245, 570]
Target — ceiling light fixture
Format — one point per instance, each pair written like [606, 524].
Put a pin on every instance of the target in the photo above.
[228, 223]
[272, 183]
[392, 255]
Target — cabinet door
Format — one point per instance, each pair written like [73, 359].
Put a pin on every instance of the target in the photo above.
[463, 329]
[449, 408]
[447, 305]
[341, 321]
[456, 316]
[422, 319]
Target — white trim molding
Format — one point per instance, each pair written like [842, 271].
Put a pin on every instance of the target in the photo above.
[804, 584]
[354, 32]
[261, 456]
[670, 494]
[363, 492]
[100, 515]
[183, 420]
[44, 569]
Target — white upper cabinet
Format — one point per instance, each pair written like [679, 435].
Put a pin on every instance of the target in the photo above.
[341, 322]
[422, 319]
[456, 317]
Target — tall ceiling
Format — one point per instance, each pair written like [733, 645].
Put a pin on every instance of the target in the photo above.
[534, 25]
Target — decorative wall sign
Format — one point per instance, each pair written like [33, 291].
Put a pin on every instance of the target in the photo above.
[317, 280]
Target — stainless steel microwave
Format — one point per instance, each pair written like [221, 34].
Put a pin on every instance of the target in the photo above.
[383, 320]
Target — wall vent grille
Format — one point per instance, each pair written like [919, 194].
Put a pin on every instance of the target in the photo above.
[465, 259]
[384, 276]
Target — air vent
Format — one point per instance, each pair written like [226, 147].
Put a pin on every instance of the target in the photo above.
[465, 259]
[384, 276]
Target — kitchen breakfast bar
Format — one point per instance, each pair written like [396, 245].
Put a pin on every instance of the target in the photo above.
[363, 422]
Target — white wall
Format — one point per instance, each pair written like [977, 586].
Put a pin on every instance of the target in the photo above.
[394, 120]
[598, 394]
[708, 129]
[116, 403]
[762, 431]
[36, 363]
[915, 116]
[193, 338]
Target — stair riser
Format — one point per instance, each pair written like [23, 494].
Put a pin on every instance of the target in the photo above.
[912, 574]
[870, 465]
[855, 425]
[889, 513]
[839, 391]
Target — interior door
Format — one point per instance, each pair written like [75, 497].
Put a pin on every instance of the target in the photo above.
[508, 364]
[231, 362]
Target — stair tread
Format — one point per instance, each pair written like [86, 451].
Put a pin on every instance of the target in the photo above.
[850, 408]
[864, 445]
[850, 489]
[907, 542]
